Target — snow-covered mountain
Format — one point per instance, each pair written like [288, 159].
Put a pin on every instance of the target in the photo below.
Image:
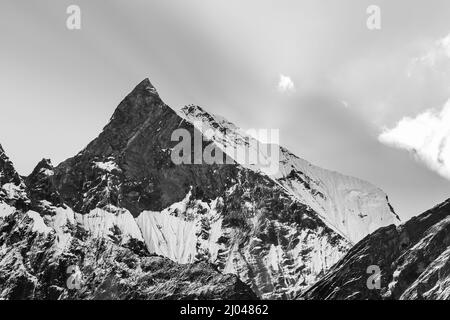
[123, 196]
[351, 206]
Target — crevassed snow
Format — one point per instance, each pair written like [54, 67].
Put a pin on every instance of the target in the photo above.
[176, 231]
[168, 235]
[62, 217]
[101, 223]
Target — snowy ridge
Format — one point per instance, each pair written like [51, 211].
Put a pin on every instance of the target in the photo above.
[110, 221]
[351, 206]
[355, 207]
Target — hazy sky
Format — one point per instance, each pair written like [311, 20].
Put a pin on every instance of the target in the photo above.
[362, 102]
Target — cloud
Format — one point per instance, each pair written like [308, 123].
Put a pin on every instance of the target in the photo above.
[437, 55]
[388, 84]
[345, 104]
[427, 136]
[285, 84]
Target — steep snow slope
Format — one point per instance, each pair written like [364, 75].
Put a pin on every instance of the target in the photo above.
[107, 221]
[180, 232]
[351, 206]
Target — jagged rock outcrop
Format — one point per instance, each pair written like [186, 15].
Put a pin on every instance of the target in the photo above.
[12, 187]
[41, 190]
[413, 260]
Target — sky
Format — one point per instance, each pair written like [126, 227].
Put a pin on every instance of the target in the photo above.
[367, 103]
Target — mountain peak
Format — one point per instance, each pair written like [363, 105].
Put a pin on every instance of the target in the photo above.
[12, 188]
[140, 105]
[44, 163]
[44, 167]
[145, 85]
[8, 174]
[41, 189]
[141, 102]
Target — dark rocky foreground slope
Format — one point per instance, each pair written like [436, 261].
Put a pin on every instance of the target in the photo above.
[413, 260]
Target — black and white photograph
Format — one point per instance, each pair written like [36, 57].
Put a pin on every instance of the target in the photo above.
[226, 157]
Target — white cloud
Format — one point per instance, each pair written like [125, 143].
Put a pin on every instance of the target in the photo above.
[345, 104]
[285, 84]
[427, 136]
[405, 79]
[437, 55]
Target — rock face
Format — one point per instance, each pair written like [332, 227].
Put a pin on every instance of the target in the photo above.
[12, 187]
[41, 189]
[413, 261]
[38, 248]
[122, 210]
